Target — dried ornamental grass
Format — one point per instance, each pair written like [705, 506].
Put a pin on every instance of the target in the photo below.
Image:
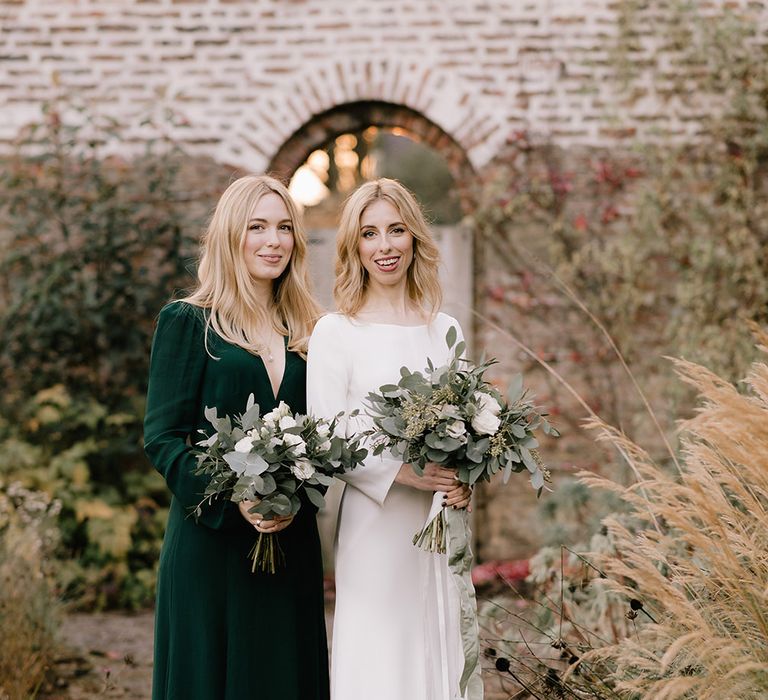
[28, 610]
[700, 565]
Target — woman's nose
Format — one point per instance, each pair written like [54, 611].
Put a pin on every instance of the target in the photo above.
[272, 238]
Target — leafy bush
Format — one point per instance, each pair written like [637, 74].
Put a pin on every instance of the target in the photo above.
[110, 524]
[93, 245]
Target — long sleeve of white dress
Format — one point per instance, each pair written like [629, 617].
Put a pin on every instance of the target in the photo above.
[329, 363]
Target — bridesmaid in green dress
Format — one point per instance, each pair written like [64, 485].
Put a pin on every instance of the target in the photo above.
[222, 632]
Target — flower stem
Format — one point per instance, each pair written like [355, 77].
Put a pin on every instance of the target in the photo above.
[266, 554]
[432, 537]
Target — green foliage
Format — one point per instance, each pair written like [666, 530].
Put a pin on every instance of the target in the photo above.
[111, 520]
[91, 247]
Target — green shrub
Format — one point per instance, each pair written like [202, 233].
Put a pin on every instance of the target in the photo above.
[91, 247]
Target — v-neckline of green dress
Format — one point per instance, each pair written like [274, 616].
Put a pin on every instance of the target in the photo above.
[286, 356]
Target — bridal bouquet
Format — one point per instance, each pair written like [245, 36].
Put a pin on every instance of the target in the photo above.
[452, 416]
[271, 459]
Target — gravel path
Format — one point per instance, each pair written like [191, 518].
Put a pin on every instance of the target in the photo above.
[109, 655]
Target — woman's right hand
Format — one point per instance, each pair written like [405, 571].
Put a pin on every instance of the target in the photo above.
[279, 522]
[435, 478]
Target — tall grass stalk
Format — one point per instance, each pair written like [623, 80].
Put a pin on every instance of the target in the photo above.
[29, 612]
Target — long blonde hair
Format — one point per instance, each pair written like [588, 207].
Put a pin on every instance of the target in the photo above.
[350, 287]
[226, 289]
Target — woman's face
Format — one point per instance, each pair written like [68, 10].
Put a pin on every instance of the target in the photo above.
[385, 245]
[268, 238]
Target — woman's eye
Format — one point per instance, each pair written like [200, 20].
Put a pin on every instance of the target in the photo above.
[287, 227]
[369, 234]
[398, 230]
[255, 227]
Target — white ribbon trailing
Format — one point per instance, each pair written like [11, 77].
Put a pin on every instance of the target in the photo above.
[458, 536]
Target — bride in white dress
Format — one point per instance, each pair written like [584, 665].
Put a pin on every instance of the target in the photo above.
[396, 633]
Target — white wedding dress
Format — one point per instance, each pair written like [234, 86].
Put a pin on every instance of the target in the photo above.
[396, 632]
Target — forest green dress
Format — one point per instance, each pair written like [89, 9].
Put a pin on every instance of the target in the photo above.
[222, 632]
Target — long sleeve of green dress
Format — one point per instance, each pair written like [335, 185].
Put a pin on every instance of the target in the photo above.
[177, 365]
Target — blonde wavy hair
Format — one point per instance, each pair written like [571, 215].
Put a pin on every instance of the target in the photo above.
[351, 285]
[225, 287]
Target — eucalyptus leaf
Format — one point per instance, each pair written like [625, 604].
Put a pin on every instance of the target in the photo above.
[250, 417]
[315, 497]
[450, 336]
[537, 479]
[515, 391]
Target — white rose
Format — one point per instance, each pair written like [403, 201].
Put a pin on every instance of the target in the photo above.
[244, 446]
[324, 446]
[287, 422]
[264, 431]
[486, 420]
[487, 402]
[485, 423]
[295, 442]
[303, 469]
[283, 409]
[456, 429]
[272, 417]
[323, 430]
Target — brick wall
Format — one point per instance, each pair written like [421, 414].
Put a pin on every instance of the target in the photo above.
[243, 76]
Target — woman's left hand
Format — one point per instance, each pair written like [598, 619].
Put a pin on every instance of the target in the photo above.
[458, 497]
[275, 524]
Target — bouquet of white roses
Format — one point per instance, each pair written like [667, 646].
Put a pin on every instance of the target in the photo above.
[452, 416]
[271, 459]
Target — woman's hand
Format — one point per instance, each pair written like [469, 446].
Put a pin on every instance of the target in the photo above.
[437, 478]
[279, 522]
[458, 497]
[434, 478]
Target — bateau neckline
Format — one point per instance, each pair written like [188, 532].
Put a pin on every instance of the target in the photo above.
[358, 322]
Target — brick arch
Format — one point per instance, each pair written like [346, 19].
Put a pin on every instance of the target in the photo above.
[357, 116]
[428, 99]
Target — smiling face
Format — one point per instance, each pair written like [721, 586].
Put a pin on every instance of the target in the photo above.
[385, 246]
[268, 238]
